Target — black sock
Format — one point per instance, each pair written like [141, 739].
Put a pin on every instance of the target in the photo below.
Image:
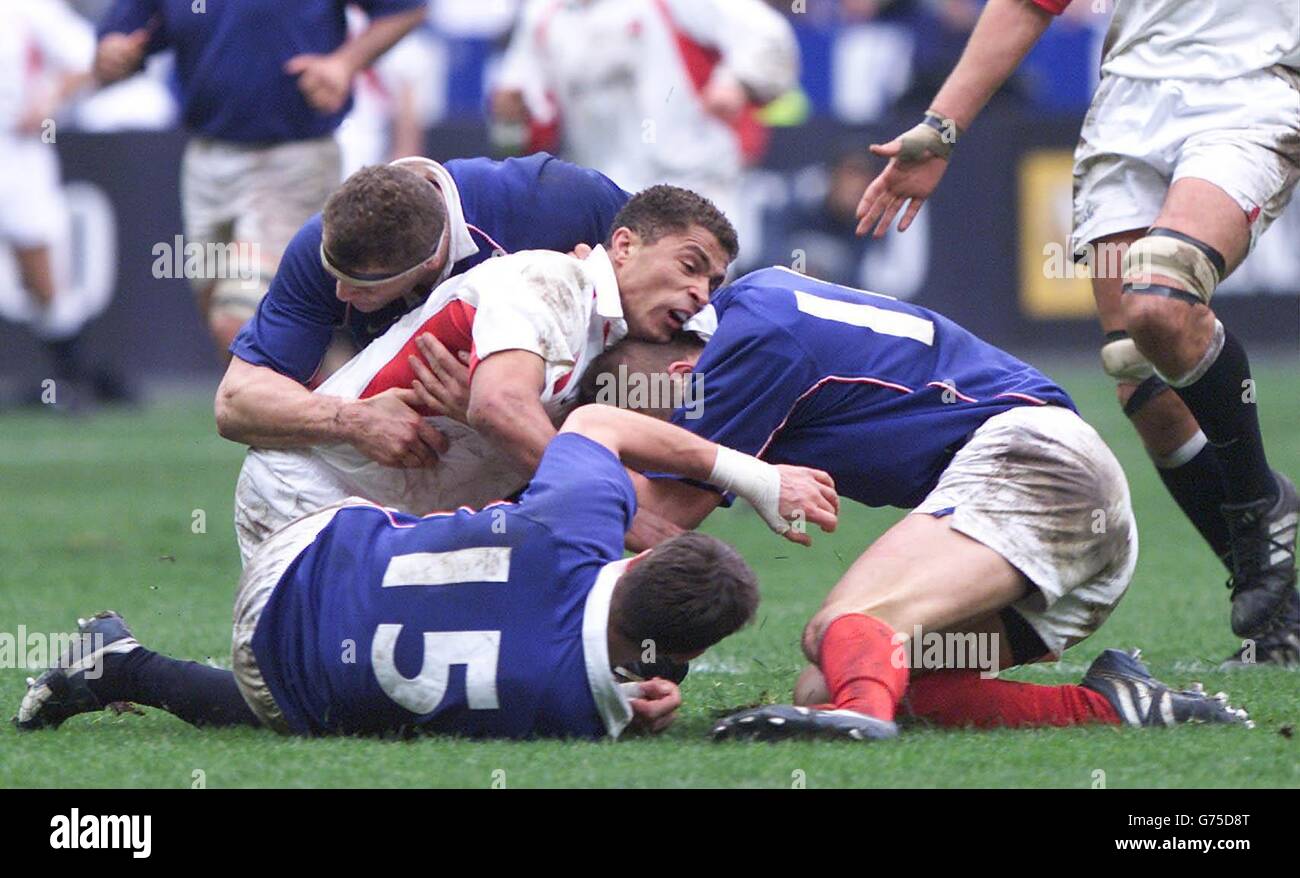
[1223, 402]
[66, 356]
[1197, 487]
[199, 694]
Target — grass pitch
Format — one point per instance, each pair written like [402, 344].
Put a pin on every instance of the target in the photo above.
[103, 512]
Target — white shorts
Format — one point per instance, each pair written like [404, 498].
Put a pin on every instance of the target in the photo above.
[261, 575]
[33, 212]
[1141, 135]
[1037, 485]
[256, 197]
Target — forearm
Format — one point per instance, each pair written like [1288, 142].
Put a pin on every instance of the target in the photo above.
[516, 425]
[259, 406]
[1003, 36]
[379, 37]
[645, 443]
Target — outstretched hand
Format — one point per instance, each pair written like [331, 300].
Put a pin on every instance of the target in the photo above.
[908, 179]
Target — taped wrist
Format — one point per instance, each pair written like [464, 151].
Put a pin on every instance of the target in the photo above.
[933, 136]
[758, 482]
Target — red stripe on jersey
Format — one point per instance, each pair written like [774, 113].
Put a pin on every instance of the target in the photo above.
[700, 61]
[1056, 7]
[452, 326]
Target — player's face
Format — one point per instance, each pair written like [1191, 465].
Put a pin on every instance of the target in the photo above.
[371, 298]
[665, 283]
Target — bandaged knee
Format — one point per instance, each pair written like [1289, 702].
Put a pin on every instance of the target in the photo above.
[1192, 267]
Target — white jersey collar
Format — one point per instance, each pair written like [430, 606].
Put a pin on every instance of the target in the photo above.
[609, 302]
[611, 701]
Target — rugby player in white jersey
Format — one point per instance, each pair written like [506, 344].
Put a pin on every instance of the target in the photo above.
[529, 323]
[1190, 150]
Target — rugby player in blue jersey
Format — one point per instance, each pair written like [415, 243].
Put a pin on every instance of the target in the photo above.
[1021, 538]
[505, 622]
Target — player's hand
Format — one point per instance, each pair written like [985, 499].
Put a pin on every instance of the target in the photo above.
[324, 80]
[725, 97]
[441, 380]
[119, 55]
[906, 180]
[648, 530]
[656, 709]
[387, 429]
[808, 496]
[580, 251]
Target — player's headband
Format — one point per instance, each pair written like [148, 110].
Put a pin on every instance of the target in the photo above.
[424, 168]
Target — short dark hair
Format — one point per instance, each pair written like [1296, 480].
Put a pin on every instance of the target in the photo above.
[688, 593]
[383, 218]
[664, 210]
[639, 357]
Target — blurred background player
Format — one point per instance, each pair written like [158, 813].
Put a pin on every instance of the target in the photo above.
[263, 87]
[46, 52]
[650, 91]
[393, 100]
[1190, 151]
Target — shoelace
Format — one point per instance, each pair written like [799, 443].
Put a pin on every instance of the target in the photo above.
[1252, 546]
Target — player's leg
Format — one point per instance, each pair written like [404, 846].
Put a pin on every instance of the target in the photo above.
[105, 665]
[281, 188]
[1184, 459]
[36, 270]
[1200, 236]
[1033, 508]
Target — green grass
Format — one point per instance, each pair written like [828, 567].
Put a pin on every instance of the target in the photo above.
[98, 513]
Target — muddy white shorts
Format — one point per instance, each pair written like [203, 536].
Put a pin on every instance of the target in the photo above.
[261, 575]
[1141, 135]
[251, 200]
[1037, 485]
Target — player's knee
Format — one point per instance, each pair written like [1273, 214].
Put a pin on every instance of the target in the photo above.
[812, 636]
[1171, 267]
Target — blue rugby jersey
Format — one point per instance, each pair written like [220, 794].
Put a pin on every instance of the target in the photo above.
[877, 392]
[230, 59]
[489, 623]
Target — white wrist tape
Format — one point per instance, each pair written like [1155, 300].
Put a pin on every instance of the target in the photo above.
[758, 482]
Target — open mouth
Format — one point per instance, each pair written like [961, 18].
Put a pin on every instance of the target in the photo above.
[679, 317]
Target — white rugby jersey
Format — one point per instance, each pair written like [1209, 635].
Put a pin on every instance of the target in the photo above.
[1197, 39]
[565, 310]
[623, 80]
[38, 37]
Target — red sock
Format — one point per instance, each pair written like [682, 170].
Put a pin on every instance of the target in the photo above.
[857, 659]
[964, 698]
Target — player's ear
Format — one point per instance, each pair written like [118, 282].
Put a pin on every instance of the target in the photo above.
[681, 367]
[622, 244]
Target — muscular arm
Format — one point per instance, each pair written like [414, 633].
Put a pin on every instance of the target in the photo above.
[258, 406]
[504, 406]
[380, 36]
[1003, 36]
[646, 443]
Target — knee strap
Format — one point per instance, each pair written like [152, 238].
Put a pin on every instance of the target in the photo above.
[1195, 267]
[1146, 391]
